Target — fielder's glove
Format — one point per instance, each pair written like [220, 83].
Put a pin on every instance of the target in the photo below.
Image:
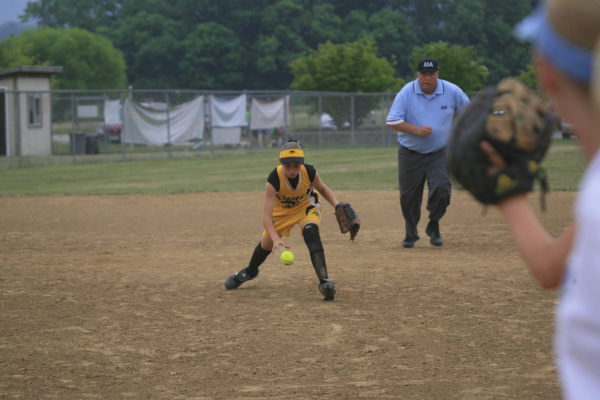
[347, 218]
[518, 125]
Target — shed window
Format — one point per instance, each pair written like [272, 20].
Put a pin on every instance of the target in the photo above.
[34, 110]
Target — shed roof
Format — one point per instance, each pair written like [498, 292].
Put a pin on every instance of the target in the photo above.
[31, 70]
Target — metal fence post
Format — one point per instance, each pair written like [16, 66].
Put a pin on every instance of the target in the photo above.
[19, 141]
[73, 129]
[209, 126]
[352, 133]
[106, 137]
[320, 111]
[168, 125]
[286, 115]
[123, 150]
[130, 94]
[293, 115]
[389, 137]
[383, 118]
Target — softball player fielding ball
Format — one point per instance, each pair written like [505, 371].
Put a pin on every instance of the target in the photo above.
[290, 199]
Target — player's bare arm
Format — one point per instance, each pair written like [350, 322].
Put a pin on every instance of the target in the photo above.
[324, 190]
[268, 220]
[545, 256]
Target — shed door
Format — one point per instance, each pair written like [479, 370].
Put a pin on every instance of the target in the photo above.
[3, 122]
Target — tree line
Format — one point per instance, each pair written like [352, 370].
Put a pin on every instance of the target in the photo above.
[240, 44]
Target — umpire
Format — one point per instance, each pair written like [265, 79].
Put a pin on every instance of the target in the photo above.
[422, 114]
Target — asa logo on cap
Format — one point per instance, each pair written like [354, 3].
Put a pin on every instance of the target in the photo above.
[428, 64]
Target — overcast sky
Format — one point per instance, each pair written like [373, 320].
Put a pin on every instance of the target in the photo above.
[11, 9]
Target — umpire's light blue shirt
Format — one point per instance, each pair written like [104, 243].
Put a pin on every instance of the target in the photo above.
[435, 110]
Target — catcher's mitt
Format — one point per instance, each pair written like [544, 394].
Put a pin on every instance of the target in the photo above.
[518, 125]
[347, 218]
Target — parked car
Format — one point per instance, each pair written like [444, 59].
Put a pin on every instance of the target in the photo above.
[328, 123]
[110, 132]
[566, 129]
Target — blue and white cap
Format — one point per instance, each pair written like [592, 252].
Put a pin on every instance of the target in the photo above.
[569, 57]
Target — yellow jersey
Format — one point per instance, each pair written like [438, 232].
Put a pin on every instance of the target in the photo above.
[289, 199]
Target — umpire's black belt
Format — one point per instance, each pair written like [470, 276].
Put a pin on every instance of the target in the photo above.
[409, 150]
[423, 154]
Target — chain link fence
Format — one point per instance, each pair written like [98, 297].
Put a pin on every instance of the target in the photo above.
[40, 128]
[43, 128]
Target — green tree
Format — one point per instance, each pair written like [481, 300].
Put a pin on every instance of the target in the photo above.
[389, 30]
[212, 58]
[352, 67]
[278, 44]
[427, 18]
[152, 48]
[326, 26]
[457, 64]
[489, 27]
[12, 54]
[394, 38]
[356, 26]
[468, 22]
[529, 77]
[89, 61]
[272, 33]
[83, 14]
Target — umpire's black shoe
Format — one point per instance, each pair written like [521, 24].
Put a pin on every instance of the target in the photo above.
[408, 242]
[234, 281]
[433, 231]
[327, 289]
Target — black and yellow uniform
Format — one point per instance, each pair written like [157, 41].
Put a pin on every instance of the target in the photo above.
[296, 201]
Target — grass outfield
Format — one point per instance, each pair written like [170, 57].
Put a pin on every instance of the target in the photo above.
[343, 169]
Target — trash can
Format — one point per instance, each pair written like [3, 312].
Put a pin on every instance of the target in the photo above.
[77, 142]
[91, 145]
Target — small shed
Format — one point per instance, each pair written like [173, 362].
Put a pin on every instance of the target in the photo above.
[25, 110]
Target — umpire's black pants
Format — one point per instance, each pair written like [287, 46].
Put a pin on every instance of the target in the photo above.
[413, 170]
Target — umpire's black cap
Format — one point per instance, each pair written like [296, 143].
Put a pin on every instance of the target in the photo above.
[428, 64]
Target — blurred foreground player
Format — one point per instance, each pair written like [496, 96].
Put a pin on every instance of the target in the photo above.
[565, 34]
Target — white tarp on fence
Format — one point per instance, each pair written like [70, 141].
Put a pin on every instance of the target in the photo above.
[270, 114]
[232, 135]
[146, 125]
[112, 112]
[228, 112]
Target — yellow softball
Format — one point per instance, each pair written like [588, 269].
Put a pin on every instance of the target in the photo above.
[287, 257]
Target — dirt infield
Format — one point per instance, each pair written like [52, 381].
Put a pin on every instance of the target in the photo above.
[118, 297]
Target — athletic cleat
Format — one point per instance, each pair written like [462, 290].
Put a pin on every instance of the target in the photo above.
[234, 281]
[327, 289]
[433, 231]
[408, 242]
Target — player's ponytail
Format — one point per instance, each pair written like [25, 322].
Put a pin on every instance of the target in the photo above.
[292, 144]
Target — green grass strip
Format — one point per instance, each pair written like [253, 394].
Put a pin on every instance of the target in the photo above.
[340, 169]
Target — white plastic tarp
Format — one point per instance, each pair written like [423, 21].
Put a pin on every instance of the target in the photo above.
[112, 112]
[149, 126]
[232, 135]
[269, 114]
[228, 112]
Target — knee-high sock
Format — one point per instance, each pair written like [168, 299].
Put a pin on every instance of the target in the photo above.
[315, 248]
[258, 257]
